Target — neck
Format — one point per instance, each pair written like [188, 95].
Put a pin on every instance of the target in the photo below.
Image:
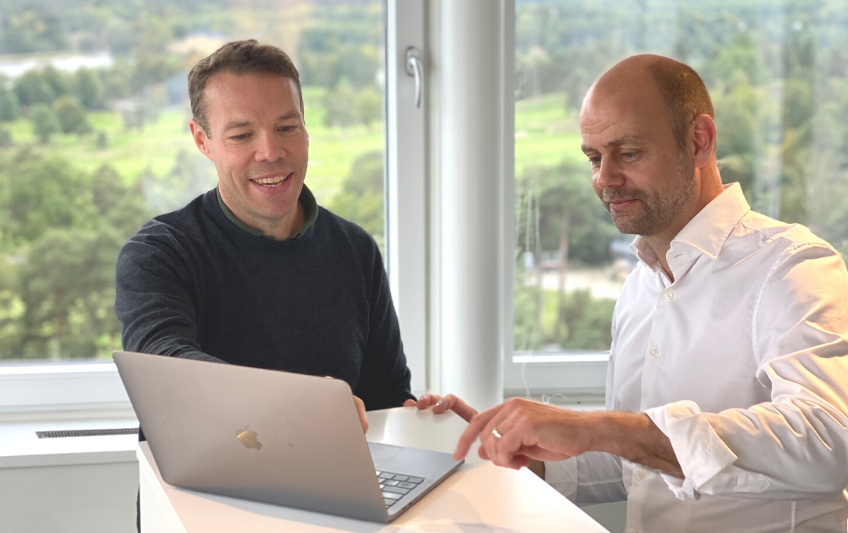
[709, 187]
[278, 229]
[286, 228]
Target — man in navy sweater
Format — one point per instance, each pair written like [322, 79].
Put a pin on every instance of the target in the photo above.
[254, 272]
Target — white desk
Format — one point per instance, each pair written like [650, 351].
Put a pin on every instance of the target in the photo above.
[479, 498]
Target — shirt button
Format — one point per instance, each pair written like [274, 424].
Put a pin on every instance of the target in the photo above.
[669, 295]
[641, 474]
[655, 353]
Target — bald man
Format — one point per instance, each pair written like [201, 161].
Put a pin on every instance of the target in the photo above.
[727, 390]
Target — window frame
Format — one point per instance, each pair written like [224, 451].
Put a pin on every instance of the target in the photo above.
[94, 386]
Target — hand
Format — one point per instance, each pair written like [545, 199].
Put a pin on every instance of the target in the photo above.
[360, 410]
[529, 430]
[443, 403]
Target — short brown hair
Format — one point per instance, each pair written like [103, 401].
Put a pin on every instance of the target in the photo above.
[238, 57]
[684, 93]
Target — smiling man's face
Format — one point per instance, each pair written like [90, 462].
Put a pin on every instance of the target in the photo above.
[638, 171]
[258, 141]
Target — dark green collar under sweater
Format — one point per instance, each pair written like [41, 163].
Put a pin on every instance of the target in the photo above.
[306, 199]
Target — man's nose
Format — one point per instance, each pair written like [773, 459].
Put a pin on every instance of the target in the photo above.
[270, 148]
[609, 174]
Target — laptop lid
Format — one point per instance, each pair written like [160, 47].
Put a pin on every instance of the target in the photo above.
[262, 435]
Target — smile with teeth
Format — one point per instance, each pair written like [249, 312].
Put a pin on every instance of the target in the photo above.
[276, 181]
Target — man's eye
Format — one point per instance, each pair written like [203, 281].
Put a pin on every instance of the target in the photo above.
[628, 155]
[286, 128]
[595, 160]
[239, 137]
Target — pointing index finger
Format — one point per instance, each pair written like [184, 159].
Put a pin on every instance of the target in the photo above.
[473, 430]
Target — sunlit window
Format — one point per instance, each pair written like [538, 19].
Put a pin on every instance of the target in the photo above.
[94, 141]
[777, 73]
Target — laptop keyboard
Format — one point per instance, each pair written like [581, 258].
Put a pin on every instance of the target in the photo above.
[396, 486]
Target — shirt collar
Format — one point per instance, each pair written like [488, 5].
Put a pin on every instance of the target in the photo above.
[306, 199]
[706, 232]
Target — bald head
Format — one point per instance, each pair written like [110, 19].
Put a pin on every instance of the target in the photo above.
[682, 94]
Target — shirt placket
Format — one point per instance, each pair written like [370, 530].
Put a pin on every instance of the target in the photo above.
[654, 347]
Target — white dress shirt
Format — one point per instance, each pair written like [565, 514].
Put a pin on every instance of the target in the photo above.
[742, 361]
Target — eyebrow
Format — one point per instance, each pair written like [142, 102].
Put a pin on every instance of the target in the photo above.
[627, 139]
[243, 123]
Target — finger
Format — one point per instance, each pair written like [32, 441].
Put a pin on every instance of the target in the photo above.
[427, 400]
[518, 462]
[449, 401]
[505, 450]
[360, 410]
[409, 403]
[490, 442]
[473, 430]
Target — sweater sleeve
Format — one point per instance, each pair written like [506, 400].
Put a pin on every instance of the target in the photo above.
[154, 298]
[385, 378]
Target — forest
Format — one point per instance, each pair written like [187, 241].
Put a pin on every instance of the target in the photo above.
[89, 153]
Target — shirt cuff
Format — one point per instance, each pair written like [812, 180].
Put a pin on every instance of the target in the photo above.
[699, 449]
[562, 475]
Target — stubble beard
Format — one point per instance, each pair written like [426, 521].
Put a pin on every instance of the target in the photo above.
[659, 208]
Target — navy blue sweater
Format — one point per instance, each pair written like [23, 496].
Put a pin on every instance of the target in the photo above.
[192, 284]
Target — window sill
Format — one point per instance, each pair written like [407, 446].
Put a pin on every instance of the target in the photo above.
[21, 448]
[29, 390]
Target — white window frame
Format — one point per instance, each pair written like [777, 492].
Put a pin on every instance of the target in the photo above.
[412, 262]
[75, 388]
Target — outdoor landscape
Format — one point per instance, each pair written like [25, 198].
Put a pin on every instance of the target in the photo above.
[94, 138]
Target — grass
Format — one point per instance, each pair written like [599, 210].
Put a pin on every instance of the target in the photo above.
[545, 135]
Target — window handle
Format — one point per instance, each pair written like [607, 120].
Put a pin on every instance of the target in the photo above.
[413, 68]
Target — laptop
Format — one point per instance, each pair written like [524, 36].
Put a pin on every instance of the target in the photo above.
[274, 437]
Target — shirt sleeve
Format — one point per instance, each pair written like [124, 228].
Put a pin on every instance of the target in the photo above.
[154, 299]
[796, 445]
[385, 378]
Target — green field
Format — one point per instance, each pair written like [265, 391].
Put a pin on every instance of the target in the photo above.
[545, 135]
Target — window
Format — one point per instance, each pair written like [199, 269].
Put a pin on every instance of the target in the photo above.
[94, 141]
[776, 72]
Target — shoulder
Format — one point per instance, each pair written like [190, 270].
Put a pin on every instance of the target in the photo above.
[344, 233]
[761, 232]
[175, 234]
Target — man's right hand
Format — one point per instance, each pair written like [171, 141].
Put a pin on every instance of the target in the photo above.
[443, 403]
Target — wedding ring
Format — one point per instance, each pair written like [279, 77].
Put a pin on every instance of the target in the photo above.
[496, 434]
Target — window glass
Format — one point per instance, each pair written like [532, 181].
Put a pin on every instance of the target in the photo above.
[94, 140]
[776, 71]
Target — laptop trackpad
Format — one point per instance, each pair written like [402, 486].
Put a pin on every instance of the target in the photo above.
[380, 453]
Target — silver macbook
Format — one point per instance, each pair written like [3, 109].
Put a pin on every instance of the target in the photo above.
[273, 437]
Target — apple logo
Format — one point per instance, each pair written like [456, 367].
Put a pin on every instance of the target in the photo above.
[247, 438]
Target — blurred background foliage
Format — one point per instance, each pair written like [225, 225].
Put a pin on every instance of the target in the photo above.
[94, 138]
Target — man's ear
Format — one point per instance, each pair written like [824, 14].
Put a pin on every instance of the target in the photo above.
[704, 137]
[201, 140]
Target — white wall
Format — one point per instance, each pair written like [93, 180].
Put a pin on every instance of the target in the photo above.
[86, 498]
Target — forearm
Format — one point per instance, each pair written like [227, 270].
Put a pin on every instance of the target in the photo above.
[634, 437]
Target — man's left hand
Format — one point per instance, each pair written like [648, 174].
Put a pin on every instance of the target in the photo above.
[528, 430]
[360, 410]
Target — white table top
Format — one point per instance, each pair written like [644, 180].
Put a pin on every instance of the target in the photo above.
[480, 497]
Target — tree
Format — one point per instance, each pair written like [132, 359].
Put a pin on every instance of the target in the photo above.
[88, 88]
[71, 116]
[361, 198]
[31, 88]
[45, 122]
[5, 138]
[337, 105]
[9, 108]
[368, 106]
